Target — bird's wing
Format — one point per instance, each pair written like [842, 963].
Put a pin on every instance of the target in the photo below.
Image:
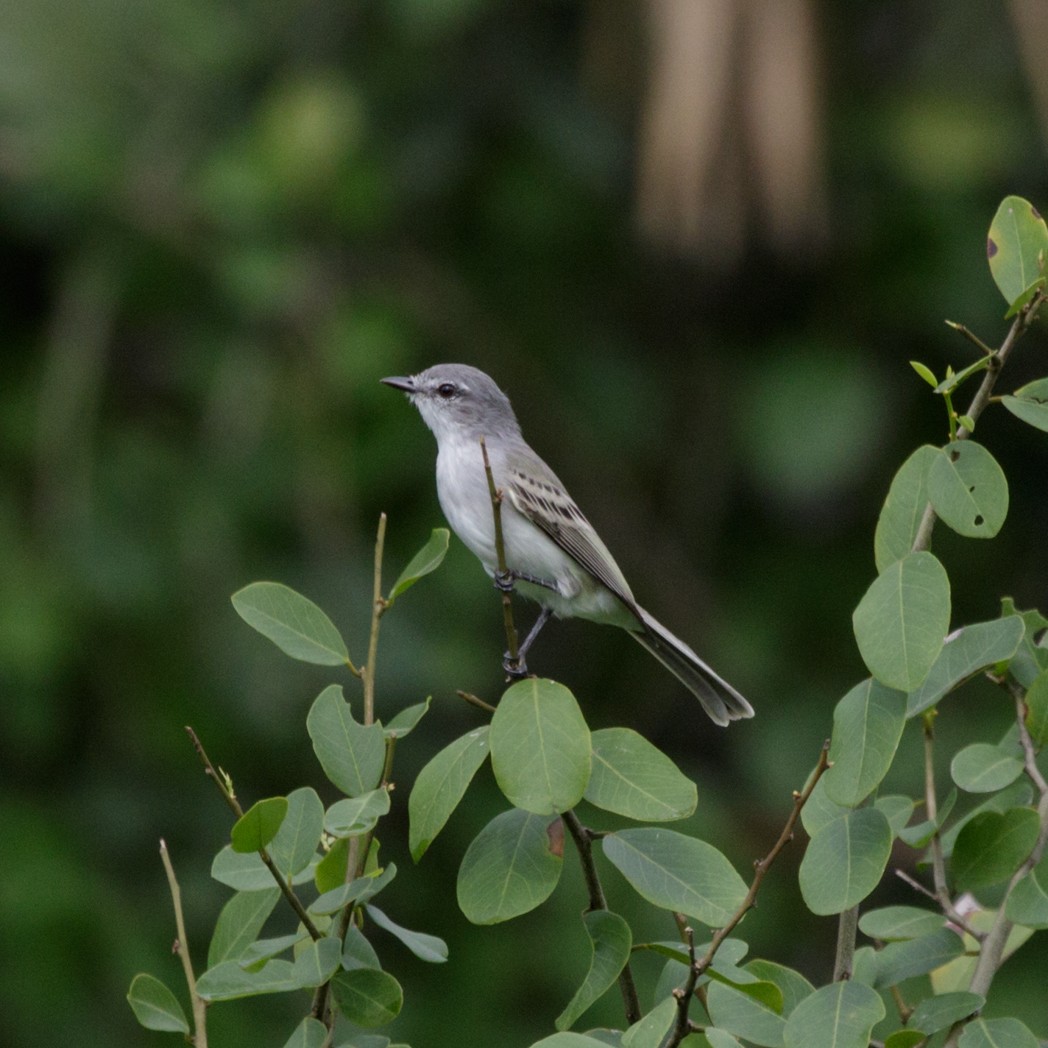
[545, 503]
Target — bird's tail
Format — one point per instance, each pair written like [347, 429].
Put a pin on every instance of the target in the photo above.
[719, 699]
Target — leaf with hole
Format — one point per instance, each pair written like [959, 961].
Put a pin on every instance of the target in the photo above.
[968, 489]
[351, 754]
[1016, 246]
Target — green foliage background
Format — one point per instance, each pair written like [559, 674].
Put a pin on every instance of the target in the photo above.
[223, 223]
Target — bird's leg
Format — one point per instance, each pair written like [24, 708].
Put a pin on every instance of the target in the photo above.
[517, 668]
[505, 580]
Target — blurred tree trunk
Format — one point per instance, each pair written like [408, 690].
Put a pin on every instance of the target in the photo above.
[731, 140]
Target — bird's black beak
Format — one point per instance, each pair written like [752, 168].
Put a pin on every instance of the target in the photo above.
[405, 383]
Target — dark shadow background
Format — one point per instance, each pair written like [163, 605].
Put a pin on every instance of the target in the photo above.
[222, 223]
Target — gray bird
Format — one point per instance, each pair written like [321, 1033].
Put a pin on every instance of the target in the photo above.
[553, 554]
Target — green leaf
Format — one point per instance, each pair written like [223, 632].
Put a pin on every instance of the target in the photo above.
[292, 622]
[441, 785]
[968, 489]
[427, 560]
[997, 1033]
[753, 1018]
[295, 845]
[819, 809]
[566, 1039]
[897, 810]
[1030, 404]
[266, 949]
[1028, 903]
[925, 372]
[540, 747]
[406, 720]
[239, 923]
[351, 754]
[1015, 247]
[357, 952]
[355, 816]
[1030, 660]
[317, 963]
[510, 867]
[258, 825]
[903, 508]
[245, 872]
[155, 1006]
[867, 727]
[228, 981]
[1037, 710]
[966, 652]
[677, 873]
[845, 860]
[899, 922]
[611, 941]
[992, 846]
[903, 960]
[982, 768]
[360, 889]
[425, 947]
[330, 872]
[902, 620]
[632, 778]
[367, 996]
[841, 1015]
[310, 1033]
[905, 1039]
[937, 1013]
[651, 1031]
[921, 833]
[1015, 796]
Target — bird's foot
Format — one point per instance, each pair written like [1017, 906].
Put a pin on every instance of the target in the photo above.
[515, 668]
[504, 581]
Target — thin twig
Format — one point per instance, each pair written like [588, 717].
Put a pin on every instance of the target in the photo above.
[997, 360]
[500, 555]
[182, 949]
[226, 789]
[473, 700]
[378, 608]
[583, 839]
[760, 868]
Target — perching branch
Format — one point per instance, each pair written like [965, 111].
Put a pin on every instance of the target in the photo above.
[182, 949]
[698, 968]
[512, 649]
[378, 608]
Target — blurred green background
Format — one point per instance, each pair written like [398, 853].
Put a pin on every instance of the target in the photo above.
[721, 228]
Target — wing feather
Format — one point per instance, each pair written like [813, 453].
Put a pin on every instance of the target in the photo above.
[551, 508]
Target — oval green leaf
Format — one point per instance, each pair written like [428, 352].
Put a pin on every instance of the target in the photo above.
[937, 1013]
[351, 754]
[968, 489]
[845, 860]
[316, 963]
[292, 622]
[239, 923]
[258, 825]
[295, 845]
[841, 1015]
[1028, 903]
[901, 622]
[540, 747]
[368, 997]
[867, 727]
[228, 981]
[1015, 247]
[997, 1033]
[310, 1033]
[355, 816]
[611, 941]
[678, 873]
[892, 923]
[155, 1006]
[1037, 709]
[967, 651]
[441, 785]
[904, 960]
[510, 867]
[632, 778]
[1030, 403]
[983, 768]
[991, 846]
[427, 560]
[903, 508]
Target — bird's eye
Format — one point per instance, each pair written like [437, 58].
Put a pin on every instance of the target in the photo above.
[447, 390]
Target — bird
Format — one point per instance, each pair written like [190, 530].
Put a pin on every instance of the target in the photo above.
[552, 554]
